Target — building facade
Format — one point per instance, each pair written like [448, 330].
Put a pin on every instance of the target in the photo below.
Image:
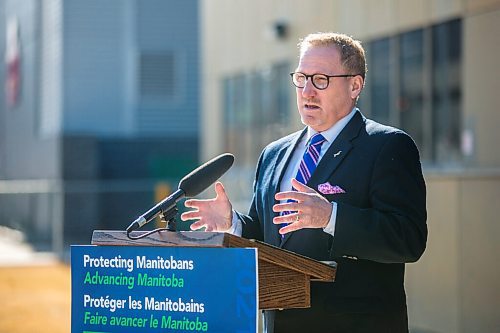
[101, 102]
[431, 71]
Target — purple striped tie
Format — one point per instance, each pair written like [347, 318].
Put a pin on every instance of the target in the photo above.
[310, 159]
[308, 163]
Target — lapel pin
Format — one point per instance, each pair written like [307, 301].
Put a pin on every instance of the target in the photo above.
[337, 153]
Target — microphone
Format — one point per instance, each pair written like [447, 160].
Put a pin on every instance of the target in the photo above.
[191, 185]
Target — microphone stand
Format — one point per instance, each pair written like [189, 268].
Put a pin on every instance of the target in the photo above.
[166, 216]
[169, 218]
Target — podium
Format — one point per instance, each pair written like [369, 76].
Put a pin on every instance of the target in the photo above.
[284, 276]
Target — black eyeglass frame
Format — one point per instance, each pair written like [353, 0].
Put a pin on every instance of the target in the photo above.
[311, 77]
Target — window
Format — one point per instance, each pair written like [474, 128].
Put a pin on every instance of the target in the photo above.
[380, 76]
[415, 84]
[256, 110]
[446, 92]
[411, 85]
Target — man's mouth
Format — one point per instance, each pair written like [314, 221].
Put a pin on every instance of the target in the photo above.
[308, 106]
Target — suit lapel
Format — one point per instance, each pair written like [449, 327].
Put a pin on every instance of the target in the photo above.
[337, 152]
[330, 161]
[334, 156]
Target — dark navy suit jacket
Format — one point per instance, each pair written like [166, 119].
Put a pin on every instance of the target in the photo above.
[380, 224]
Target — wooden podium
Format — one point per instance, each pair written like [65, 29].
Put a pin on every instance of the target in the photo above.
[284, 276]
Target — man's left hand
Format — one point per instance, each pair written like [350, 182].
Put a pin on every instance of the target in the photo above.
[310, 209]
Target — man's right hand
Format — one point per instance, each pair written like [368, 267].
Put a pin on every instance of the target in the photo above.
[212, 214]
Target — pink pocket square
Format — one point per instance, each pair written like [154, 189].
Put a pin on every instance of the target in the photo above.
[327, 188]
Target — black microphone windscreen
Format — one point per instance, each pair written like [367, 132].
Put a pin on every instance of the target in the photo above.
[205, 175]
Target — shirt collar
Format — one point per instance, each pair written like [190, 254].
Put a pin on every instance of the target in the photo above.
[332, 133]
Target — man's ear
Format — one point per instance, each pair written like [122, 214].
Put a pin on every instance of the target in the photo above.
[357, 84]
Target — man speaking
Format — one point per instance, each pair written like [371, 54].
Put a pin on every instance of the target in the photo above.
[345, 188]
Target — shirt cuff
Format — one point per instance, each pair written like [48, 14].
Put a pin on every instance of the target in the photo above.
[330, 227]
[236, 226]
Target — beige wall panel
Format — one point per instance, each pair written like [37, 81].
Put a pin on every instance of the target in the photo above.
[432, 283]
[411, 14]
[244, 35]
[349, 17]
[312, 16]
[481, 5]
[441, 10]
[210, 117]
[479, 248]
[387, 17]
[380, 18]
[481, 86]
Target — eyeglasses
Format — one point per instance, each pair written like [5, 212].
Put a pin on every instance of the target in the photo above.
[320, 81]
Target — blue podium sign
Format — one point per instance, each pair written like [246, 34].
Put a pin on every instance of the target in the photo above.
[163, 289]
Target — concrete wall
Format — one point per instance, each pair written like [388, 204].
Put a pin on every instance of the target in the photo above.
[454, 287]
[480, 85]
[232, 42]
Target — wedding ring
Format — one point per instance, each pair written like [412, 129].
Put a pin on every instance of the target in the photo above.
[297, 218]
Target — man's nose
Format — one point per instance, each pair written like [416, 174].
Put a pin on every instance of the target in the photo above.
[309, 89]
